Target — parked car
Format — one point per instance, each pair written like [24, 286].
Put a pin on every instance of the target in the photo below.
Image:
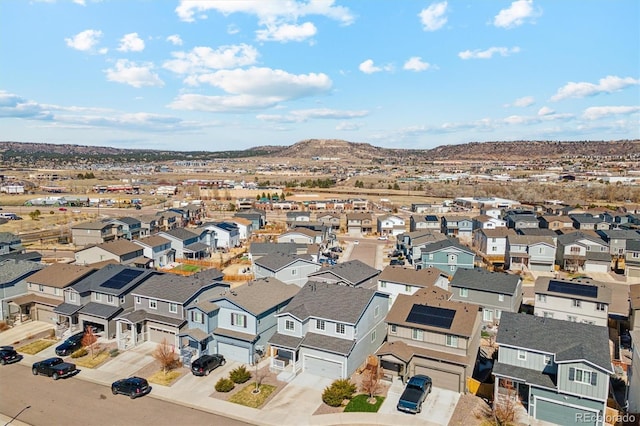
[206, 363]
[132, 386]
[396, 262]
[415, 392]
[69, 346]
[63, 209]
[53, 367]
[356, 242]
[383, 238]
[8, 355]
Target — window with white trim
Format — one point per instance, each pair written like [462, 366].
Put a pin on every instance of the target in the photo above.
[320, 324]
[340, 328]
[138, 300]
[383, 284]
[289, 325]
[98, 297]
[522, 355]
[239, 320]
[72, 296]
[197, 317]
[373, 336]
[407, 288]
[110, 298]
[452, 341]
[294, 272]
[542, 298]
[41, 288]
[173, 308]
[583, 376]
[393, 329]
[547, 360]
[576, 303]
[464, 292]
[153, 304]
[417, 334]
[376, 311]
[122, 299]
[56, 291]
[501, 298]
[600, 306]
[498, 313]
[487, 315]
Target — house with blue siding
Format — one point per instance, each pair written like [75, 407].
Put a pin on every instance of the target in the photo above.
[447, 255]
[286, 268]
[158, 249]
[460, 227]
[187, 244]
[558, 370]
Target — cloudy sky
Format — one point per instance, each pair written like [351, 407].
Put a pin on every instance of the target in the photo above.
[231, 74]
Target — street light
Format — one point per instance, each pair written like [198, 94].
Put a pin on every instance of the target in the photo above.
[16, 416]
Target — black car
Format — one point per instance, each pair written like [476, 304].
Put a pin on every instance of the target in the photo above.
[8, 355]
[396, 262]
[69, 346]
[132, 386]
[206, 363]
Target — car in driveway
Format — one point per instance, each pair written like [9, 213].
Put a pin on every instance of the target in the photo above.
[415, 392]
[8, 355]
[134, 387]
[206, 364]
[70, 345]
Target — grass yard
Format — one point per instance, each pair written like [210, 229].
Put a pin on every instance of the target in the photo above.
[359, 404]
[187, 268]
[249, 399]
[35, 347]
[89, 361]
[160, 378]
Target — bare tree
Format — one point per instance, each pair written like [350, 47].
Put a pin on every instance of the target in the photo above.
[371, 381]
[88, 339]
[505, 407]
[165, 356]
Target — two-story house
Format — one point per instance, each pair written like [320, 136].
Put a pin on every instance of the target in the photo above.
[460, 227]
[130, 227]
[558, 370]
[330, 220]
[447, 255]
[328, 330]
[300, 235]
[13, 284]
[573, 248]
[10, 243]
[577, 301]
[121, 251]
[529, 252]
[492, 243]
[428, 222]
[412, 243]
[494, 292]
[430, 335]
[617, 239]
[258, 218]
[395, 280]
[359, 223]
[95, 232]
[225, 234]
[353, 273]
[391, 225]
[158, 249]
[555, 222]
[297, 216]
[588, 222]
[521, 220]
[484, 221]
[245, 227]
[186, 243]
[286, 268]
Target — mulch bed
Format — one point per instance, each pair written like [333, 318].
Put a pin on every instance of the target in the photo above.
[270, 378]
[356, 378]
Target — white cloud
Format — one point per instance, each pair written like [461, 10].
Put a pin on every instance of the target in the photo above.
[133, 74]
[545, 111]
[488, 53]
[131, 43]
[515, 15]
[416, 63]
[524, 101]
[608, 84]
[84, 41]
[368, 67]
[595, 113]
[175, 40]
[12, 105]
[433, 17]
[287, 32]
[80, 2]
[203, 59]
[303, 115]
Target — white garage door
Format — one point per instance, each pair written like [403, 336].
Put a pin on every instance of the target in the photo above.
[158, 334]
[596, 267]
[560, 414]
[322, 367]
[235, 353]
[46, 315]
[440, 379]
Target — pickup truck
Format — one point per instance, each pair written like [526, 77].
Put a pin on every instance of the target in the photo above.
[53, 367]
[416, 391]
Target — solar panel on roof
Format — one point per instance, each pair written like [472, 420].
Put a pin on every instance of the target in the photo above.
[431, 315]
[122, 278]
[573, 288]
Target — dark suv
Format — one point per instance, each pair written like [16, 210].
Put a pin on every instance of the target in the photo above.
[8, 355]
[132, 386]
[69, 346]
[206, 363]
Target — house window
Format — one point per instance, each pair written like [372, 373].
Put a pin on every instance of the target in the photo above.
[407, 288]
[572, 318]
[173, 308]
[294, 272]
[319, 324]
[542, 298]
[72, 297]
[373, 336]
[487, 315]
[501, 298]
[464, 292]
[153, 304]
[376, 311]
[498, 314]
[576, 303]
[393, 329]
[239, 320]
[547, 314]
[289, 325]
[493, 240]
[122, 299]
[522, 355]
[431, 256]
[574, 250]
[635, 254]
[540, 250]
[56, 291]
[417, 334]
[547, 360]
[452, 258]
[138, 300]
[600, 306]
[340, 329]
[583, 376]
[452, 341]
[41, 288]
[494, 249]
[197, 316]
[452, 268]
[383, 284]
[98, 297]
[109, 298]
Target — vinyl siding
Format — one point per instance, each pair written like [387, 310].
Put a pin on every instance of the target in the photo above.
[600, 391]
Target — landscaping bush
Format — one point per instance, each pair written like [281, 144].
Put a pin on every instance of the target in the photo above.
[224, 385]
[114, 352]
[79, 353]
[240, 375]
[338, 391]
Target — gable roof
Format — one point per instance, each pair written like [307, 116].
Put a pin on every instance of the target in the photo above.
[175, 288]
[259, 295]
[574, 237]
[483, 280]
[277, 261]
[60, 275]
[500, 232]
[94, 225]
[416, 277]
[301, 230]
[531, 239]
[12, 269]
[118, 247]
[153, 241]
[603, 293]
[443, 244]
[569, 341]
[269, 248]
[96, 281]
[352, 271]
[180, 233]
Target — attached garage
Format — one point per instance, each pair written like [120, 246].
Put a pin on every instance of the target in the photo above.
[322, 367]
[541, 267]
[157, 335]
[440, 378]
[633, 272]
[590, 266]
[45, 313]
[234, 352]
[553, 412]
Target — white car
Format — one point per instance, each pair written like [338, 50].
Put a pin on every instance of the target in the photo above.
[356, 242]
[383, 238]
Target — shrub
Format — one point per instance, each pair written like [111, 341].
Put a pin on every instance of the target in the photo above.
[240, 374]
[79, 353]
[224, 385]
[338, 391]
[114, 352]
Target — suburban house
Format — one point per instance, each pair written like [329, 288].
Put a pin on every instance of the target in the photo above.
[390, 225]
[617, 239]
[460, 227]
[220, 234]
[285, 267]
[412, 243]
[429, 222]
[330, 220]
[494, 292]
[158, 249]
[632, 259]
[395, 280]
[533, 253]
[633, 375]
[359, 223]
[95, 232]
[129, 227]
[447, 255]
[186, 244]
[353, 273]
[484, 221]
[328, 330]
[572, 250]
[238, 322]
[556, 222]
[521, 220]
[10, 243]
[13, 283]
[149, 225]
[300, 235]
[258, 218]
[588, 222]
[99, 298]
[428, 334]
[577, 301]
[258, 250]
[121, 251]
[559, 370]
[492, 243]
[245, 227]
[158, 311]
[298, 216]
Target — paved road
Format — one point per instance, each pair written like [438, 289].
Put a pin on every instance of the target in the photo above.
[77, 402]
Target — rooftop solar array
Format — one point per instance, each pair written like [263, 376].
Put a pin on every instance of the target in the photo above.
[122, 278]
[431, 316]
[574, 289]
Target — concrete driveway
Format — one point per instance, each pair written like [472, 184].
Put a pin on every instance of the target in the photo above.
[130, 361]
[297, 401]
[436, 409]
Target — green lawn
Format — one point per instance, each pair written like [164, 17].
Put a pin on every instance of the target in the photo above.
[359, 404]
[248, 398]
[188, 268]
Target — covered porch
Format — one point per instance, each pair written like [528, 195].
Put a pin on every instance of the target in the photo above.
[193, 344]
[130, 329]
[67, 319]
[284, 355]
[33, 307]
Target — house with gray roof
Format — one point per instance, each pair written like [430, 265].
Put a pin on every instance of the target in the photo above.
[159, 308]
[572, 250]
[589, 222]
[257, 249]
[13, 283]
[447, 255]
[412, 243]
[301, 235]
[494, 292]
[121, 251]
[286, 268]
[395, 280]
[559, 370]
[130, 227]
[460, 227]
[158, 249]
[428, 222]
[617, 240]
[186, 243]
[527, 252]
[632, 259]
[10, 243]
[94, 232]
[220, 234]
[328, 330]
[353, 273]
[492, 243]
[258, 218]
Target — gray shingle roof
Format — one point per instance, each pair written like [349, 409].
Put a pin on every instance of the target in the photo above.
[140, 315]
[277, 261]
[67, 309]
[353, 272]
[569, 341]
[263, 249]
[284, 341]
[100, 310]
[180, 233]
[95, 281]
[12, 270]
[260, 295]
[439, 245]
[483, 280]
[528, 375]
[175, 288]
[328, 343]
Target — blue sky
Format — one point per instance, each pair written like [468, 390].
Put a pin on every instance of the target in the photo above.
[218, 75]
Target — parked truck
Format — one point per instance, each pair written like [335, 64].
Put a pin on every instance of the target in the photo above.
[415, 392]
[53, 367]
